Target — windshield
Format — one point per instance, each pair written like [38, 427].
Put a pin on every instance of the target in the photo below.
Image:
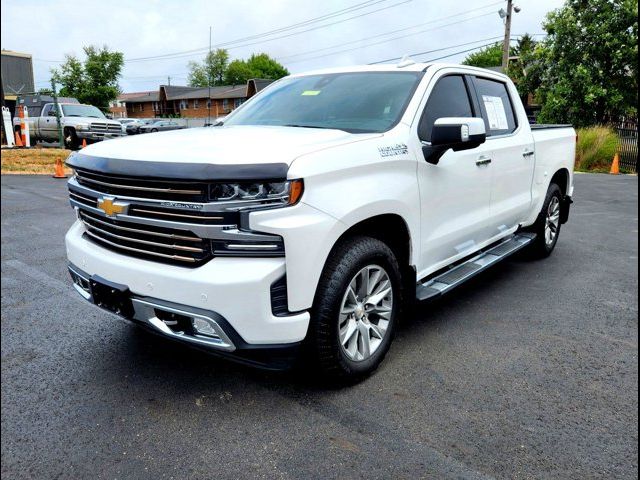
[82, 111]
[357, 102]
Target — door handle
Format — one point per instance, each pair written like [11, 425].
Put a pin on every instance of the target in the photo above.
[528, 153]
[483, 160]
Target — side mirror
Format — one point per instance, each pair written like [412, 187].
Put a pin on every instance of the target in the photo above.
[456, 133]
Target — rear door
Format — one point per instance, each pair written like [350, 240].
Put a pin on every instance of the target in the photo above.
[455, 193]
[512, 157]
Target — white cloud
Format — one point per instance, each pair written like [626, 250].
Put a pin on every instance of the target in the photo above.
[49, 30]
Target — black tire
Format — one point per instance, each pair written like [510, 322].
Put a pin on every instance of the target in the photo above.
[71, 140]
[154, 130]
[347, 259]
[540, 247]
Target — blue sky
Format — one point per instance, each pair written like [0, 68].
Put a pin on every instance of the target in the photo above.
[351, 32]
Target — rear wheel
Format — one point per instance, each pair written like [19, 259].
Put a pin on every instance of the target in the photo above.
[355, 310]
[154, 130]
[547, 225]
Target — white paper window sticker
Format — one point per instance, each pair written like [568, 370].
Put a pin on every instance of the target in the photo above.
[496, 113]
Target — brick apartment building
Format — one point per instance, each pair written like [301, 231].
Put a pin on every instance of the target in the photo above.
[191, 102]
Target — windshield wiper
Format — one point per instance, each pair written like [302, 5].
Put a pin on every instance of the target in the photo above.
[311, 126]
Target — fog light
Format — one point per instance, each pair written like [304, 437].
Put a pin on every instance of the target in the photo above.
[202, 327]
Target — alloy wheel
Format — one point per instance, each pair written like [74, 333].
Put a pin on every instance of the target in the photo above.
[365, 313]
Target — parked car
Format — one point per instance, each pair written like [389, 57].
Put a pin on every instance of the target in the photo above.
[160, 126]
[308, 219]
[124, 122]
[133, 128]
[78, 122]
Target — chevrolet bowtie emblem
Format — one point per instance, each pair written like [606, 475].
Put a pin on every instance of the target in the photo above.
[109, 206]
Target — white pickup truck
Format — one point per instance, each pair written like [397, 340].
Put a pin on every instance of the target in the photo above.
[306, 220]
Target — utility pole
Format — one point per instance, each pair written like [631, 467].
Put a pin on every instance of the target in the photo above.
[169, 81]
[209, 81]
[507, 36]
[54, 94]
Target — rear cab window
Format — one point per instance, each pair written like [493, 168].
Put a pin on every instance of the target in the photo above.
[496, 106]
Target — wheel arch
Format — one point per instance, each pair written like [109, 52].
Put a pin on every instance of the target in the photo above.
[393, 230]
[562, 178]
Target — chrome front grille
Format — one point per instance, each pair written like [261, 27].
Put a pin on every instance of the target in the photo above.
[163, 220]
[143, 240]
[137, 187]
[101, 127]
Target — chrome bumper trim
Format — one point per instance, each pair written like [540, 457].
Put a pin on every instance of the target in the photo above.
[145, 311]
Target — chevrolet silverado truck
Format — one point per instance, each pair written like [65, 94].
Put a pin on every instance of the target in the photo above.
[308, 218]
[78, 122]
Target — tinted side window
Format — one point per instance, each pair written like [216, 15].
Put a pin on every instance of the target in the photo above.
[496, 106]
[45, 111]
[449, 98]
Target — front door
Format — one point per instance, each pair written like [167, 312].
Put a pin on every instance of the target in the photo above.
[455, 193]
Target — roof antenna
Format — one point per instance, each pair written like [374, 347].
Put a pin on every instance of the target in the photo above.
[405, 61]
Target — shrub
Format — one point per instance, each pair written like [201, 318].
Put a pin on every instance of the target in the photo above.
[595, 149]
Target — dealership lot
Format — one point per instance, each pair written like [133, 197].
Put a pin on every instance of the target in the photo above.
[530, 370]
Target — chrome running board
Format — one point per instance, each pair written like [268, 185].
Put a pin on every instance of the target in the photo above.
[435, 286]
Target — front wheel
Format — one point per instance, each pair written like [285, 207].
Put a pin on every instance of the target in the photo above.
[356, 309]
[547, 225]
[71, 140]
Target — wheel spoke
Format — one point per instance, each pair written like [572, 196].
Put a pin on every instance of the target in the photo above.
[375, 330]
[347, 332]
[364, 341]
[374, 278]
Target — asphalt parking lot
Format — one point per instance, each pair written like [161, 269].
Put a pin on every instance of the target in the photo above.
[529, 371]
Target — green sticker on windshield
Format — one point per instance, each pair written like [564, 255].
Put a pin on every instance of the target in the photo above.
[311, 92]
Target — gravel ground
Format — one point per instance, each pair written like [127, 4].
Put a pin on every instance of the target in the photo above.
[528, 371]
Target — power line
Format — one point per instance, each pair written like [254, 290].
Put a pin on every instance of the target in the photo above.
[343, 11]
[453, 54]
[393, 31]
[390, 39]
[190, 53]
[439, 49]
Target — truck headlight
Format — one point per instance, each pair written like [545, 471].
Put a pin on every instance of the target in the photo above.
[260, 193]
[82, 127]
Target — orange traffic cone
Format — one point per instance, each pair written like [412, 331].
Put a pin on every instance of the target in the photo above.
[59, 173]
[84, 142]
[615, 166]
[18, 140]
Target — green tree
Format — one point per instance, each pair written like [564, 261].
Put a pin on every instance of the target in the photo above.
[212, 68]
[238, 72]
[94, 81]
[258, 65]
[266, 67]
[522, 69]
[490, 56]
[586, 71]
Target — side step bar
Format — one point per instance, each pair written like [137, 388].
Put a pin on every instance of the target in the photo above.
[442, 283]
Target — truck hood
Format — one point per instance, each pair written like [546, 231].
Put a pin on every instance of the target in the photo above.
[226, 145]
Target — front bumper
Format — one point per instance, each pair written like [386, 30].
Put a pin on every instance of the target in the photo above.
[97, 136]
[235, 292]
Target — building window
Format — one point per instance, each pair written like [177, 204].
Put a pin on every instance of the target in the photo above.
[196, 103]
[208, 103]
[237, 102]
[225, 104]
[184, 104]
[141, 107]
